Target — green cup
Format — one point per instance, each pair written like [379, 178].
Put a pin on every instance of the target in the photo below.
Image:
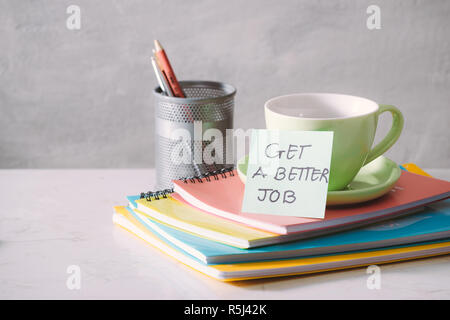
[353, 120]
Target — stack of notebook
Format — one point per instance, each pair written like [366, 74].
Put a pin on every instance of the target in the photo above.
[201, 225]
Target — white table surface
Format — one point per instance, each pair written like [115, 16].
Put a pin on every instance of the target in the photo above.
[52, 219]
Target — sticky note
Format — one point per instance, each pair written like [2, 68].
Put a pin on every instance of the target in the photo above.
[288, 173]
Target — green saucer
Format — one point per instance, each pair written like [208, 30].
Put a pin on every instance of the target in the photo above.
[372, 181]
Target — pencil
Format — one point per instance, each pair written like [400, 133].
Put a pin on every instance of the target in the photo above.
[167, 71]
[161, 80]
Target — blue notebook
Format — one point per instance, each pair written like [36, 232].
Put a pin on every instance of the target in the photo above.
[431, 224]
[284, 267]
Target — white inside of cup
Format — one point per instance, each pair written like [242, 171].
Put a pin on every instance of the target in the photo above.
[321, 105]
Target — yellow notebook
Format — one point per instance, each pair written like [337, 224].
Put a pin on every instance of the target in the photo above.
[274, 268]
[412, 167]
[186, 218]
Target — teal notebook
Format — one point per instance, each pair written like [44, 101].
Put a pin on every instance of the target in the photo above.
[431, 224]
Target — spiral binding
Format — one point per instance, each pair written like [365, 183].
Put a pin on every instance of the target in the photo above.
[208, 175]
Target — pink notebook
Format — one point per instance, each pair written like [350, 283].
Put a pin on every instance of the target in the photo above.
[223, 197]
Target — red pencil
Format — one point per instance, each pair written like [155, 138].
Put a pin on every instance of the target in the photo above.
[167, 71]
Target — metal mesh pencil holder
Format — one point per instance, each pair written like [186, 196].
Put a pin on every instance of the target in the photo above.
[180, 124]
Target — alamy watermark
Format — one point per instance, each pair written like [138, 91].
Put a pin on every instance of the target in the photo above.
[73, 21]
[374, 280]
[217, 147]
[73, 281]
[373, 21]
[214, 146]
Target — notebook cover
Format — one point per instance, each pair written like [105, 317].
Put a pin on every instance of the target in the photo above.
[253, 270]
[224, 197]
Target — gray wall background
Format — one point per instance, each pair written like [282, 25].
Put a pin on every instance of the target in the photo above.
[82, 99]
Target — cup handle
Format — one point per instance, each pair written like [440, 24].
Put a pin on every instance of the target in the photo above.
[392, 135]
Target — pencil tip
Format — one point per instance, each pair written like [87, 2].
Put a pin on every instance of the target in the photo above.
[158, 46]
